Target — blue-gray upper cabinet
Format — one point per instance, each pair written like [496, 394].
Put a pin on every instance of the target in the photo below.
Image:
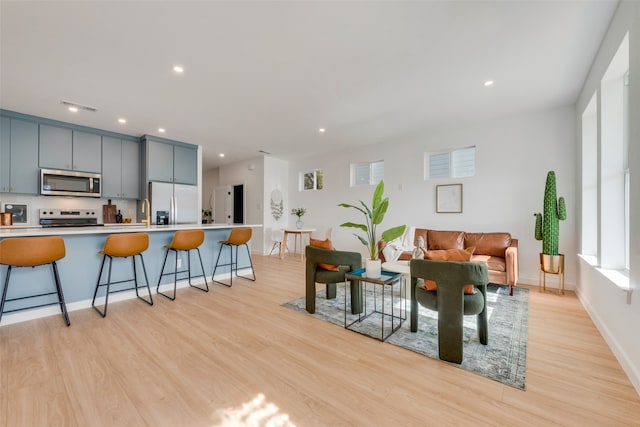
[62, 148]
[185, 165]
[18, 156]
[120, 168]
[172, 163]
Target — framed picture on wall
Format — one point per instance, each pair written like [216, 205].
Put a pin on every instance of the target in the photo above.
[19, 211]
[449, 198]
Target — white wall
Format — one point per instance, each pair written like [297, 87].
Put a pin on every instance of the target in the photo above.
[249, 173]
[513, 156]
[617, 321]
[210, 181]
[275, 178]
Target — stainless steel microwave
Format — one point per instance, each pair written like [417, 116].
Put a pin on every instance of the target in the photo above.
[69, 183]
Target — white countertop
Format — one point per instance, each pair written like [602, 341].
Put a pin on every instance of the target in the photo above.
[37, 230]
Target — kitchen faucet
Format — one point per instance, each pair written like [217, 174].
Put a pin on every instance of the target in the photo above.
[147, 220]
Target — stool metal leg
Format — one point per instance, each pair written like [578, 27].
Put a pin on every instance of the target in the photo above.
[204, 276]
[162, 274]
[213, 275]
[106, 300]
[4, 292]
[176, 272]
[144, 270]
[250, 264]
[63, 306]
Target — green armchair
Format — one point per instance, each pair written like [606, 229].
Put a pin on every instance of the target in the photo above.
[450, 301]
[346, 262]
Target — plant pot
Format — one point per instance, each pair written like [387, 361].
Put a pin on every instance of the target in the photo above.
[299, 224]
[373, 268]
[553, 264]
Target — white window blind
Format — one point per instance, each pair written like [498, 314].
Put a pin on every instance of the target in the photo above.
[369, 173]
[463, 162]
[459, 163]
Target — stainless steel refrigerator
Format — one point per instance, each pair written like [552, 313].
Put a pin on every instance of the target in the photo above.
[180, 201]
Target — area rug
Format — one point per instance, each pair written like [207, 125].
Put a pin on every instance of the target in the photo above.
[504, 359]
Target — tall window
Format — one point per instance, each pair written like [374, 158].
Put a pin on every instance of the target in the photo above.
[458, 163]
[311, 180]
[590, 179]
[370, 173]
[605, 174]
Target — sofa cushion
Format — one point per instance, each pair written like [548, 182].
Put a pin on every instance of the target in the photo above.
[493, 262]
[324, 244]
[438, 240]
[493, 244]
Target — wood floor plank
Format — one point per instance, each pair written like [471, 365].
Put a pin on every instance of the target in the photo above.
[234, 356]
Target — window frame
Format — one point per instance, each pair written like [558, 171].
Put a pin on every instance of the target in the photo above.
[454, 168]
[371, 172]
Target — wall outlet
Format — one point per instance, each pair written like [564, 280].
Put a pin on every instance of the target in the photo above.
[179, 262]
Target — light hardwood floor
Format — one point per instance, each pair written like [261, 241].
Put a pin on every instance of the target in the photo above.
[234, 356]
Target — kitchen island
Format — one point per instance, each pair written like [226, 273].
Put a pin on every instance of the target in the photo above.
[80, 267]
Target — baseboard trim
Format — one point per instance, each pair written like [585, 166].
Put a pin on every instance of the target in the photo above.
[632, 373]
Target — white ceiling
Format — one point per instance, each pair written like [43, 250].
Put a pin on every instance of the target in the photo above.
[266, 75]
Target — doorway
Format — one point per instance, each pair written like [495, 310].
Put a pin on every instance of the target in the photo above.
[228, 204]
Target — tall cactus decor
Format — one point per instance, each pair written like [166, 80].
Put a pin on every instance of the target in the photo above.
[547, 224]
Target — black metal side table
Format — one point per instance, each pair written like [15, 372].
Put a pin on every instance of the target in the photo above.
[386, 281]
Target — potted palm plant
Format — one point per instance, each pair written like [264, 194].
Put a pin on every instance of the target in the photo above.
[373, 217]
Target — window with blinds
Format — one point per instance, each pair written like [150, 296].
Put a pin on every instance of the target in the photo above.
[370, 173]
[459, 163]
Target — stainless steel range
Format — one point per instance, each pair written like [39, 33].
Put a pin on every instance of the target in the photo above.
[68, 217]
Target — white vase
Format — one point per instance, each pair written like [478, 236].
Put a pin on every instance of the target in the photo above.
[373, 268]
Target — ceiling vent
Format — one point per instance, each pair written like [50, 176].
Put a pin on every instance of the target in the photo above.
[79, 106]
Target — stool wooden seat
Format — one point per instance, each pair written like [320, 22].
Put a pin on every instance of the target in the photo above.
[33, 252]
[183, 240]
[238, 237]
[122, 246]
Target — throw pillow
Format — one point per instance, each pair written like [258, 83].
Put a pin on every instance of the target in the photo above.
[324, 244]
[449, 255]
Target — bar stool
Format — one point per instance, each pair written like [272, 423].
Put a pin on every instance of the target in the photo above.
[183, 240]
[238, 237]
[122, 246]
[33, 252]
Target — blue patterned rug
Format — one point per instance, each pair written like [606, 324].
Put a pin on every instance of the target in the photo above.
[504, 359]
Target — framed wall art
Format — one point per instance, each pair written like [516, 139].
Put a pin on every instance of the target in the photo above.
[449, 198]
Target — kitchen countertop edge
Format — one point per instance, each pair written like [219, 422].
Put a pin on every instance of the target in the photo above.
[36, 230]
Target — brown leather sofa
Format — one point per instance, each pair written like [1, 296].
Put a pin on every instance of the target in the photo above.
[497, 250]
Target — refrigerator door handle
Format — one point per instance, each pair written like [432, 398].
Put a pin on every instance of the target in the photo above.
[175, 210]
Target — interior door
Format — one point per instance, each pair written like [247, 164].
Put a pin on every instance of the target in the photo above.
[222, 205]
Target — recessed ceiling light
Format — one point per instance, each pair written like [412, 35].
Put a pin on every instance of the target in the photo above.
[73, 109]
[322, 130]
[221, 154]
[161, 130]
[122, 120]
[178, 69]
[488, 83]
